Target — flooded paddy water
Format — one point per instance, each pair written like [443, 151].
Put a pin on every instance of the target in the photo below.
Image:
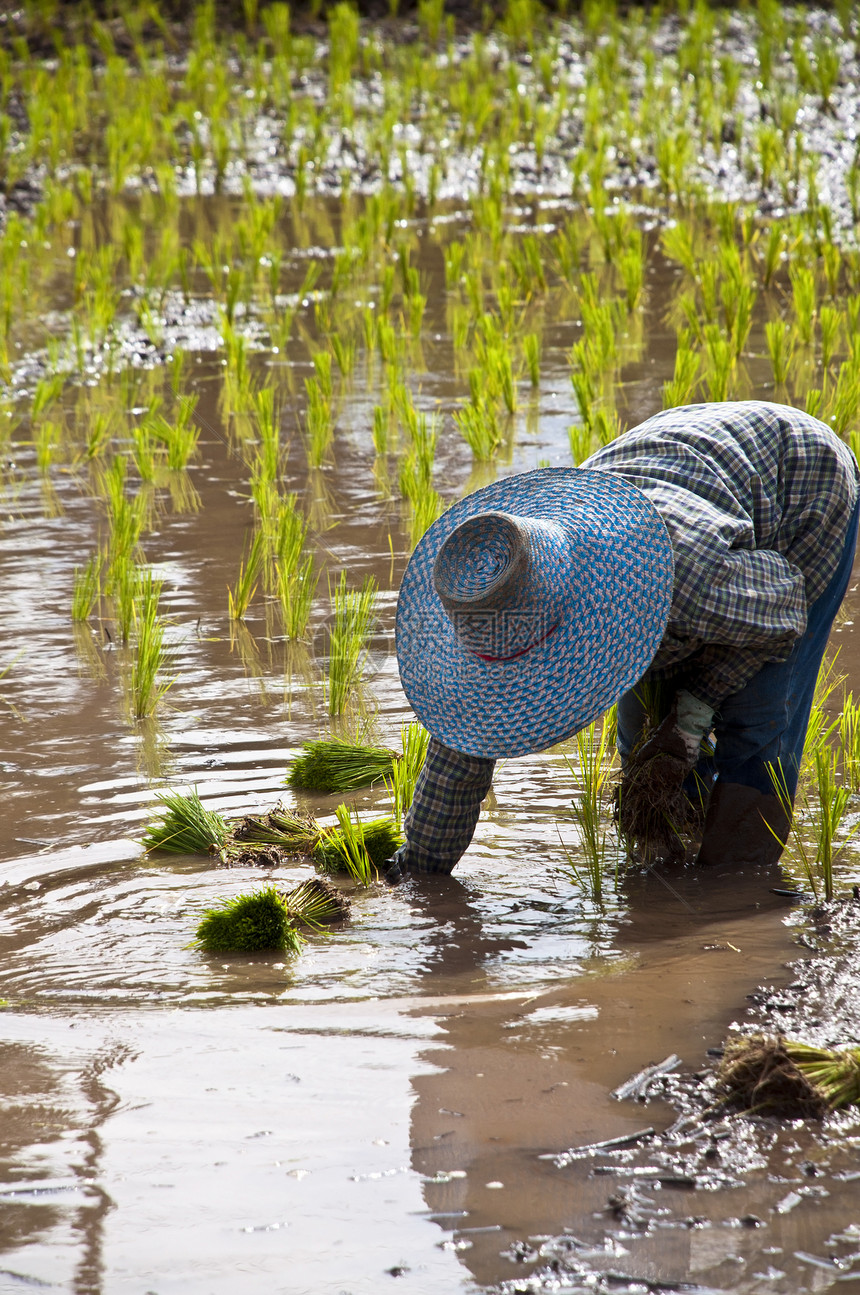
[386, 1107]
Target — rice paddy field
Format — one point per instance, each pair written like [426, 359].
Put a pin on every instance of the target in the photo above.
[273, 294]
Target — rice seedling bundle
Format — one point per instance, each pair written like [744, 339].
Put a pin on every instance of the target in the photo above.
[186, 827]
[334, 764]
[772, 1075]
[294, 832]
[269, 919]
[249, 924]
[317, 902]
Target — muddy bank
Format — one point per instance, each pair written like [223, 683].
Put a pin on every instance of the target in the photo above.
[676, 1198]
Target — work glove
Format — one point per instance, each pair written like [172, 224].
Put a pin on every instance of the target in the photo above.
[654, 813]
[681, 733]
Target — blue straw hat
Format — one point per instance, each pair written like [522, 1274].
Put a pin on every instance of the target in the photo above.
[530, 607]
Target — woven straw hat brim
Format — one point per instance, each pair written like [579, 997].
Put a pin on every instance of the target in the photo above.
[618, 582]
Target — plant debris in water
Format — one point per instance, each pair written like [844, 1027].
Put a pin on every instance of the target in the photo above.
[335, 764]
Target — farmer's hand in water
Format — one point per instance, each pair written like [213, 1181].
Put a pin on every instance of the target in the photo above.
[654, 813]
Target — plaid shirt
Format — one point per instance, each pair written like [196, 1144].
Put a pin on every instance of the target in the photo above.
[756, 499]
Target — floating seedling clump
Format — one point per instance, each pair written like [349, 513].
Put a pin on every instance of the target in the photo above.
[335, 764]
[767, 1074]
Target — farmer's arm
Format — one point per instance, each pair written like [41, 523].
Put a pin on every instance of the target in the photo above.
[441, 820]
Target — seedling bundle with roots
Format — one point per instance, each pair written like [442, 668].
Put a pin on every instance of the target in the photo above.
[274, 838]
[268, 919]
[767, 1074]
[655, 816]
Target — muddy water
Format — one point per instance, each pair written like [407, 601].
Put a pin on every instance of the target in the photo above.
[374, 1112]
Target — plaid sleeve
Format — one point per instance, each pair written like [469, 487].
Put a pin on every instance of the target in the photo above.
[440, 822]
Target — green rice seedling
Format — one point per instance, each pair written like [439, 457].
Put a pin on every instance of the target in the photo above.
[249, 924]
[832, 258]
[186, 826]
[830, 320]
[296, 590]
[405, 770]
[147, 686]
[249, 574]
[595, 754]
[380, 430]
[631, 267]
[849, 742]
[123, 586]
[47, 436]
[335, 764]
[355, 847]
[319, 424]
[317, 902]
[780, 348]
[290, 531]
[126, 516]
[454, 254]
[532, 351]
[480, 429]
[353, 617]
[585, 390]
[822, 808]
[344, 38]
[814, 402]
[845, 402]
[342, 849]
[685, 380]
[774, 248]
[821, 727]
[87, 587]
[424, 510]
[677, 243]
[804, 297]
[607, 425]
[581, 440]
[430, 17]
[268, 423]
[720, 362]
[144, 452]
[343, 348]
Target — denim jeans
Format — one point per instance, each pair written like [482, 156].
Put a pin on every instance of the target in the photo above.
[766, 722]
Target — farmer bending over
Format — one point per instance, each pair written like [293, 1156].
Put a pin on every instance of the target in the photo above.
[689, 571]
